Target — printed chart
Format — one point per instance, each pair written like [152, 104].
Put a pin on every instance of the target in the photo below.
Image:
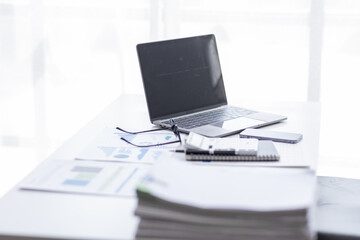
[109, 147]
[121, 154]
[157, 137]
[87, 177]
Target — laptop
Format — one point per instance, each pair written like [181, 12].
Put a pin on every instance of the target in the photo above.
[182, 80]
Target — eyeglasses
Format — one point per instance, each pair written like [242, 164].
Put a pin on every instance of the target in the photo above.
[173, 127]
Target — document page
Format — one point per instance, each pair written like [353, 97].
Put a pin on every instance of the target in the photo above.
[220, 187]
[109, 147]
[99, 178]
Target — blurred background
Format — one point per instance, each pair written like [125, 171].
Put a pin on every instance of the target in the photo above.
[62, 62]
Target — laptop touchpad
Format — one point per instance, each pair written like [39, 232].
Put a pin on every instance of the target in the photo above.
[239, 123]
[227, 127]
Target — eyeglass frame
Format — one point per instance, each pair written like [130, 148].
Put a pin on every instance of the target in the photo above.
[173, 128]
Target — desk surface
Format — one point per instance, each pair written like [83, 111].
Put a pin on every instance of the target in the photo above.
[36, 215]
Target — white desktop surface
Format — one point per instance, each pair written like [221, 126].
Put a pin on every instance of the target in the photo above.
[36, 215]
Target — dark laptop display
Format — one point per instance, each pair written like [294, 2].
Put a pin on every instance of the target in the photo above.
[183, 80]
[181, 77]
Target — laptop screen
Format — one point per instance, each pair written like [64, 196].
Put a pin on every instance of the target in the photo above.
[181, 76]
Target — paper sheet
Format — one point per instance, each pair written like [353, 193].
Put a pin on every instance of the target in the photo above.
[220, 187]
[100, 178]
[109, 147]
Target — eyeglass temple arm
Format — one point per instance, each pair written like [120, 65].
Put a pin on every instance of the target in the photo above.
[179, 136]
[152, 145]
[151, 130]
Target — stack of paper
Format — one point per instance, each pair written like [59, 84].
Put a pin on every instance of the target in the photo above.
[179, 200]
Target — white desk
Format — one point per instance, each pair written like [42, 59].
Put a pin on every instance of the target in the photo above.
[36, 215]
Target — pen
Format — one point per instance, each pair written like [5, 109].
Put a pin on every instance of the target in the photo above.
[179, 150]
[229, 152]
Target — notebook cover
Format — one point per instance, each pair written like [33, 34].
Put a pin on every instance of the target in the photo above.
[266, 152]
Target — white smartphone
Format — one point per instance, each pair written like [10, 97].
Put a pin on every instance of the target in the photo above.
[271, 135]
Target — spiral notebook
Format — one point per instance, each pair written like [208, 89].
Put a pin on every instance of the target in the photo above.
[266, 152]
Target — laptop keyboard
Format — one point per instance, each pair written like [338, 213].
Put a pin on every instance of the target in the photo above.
[204, 118]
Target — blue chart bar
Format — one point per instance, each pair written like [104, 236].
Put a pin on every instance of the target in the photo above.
[108, 151]
[143, 151]
[83, 175]
[75, 182]
[123, 153]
